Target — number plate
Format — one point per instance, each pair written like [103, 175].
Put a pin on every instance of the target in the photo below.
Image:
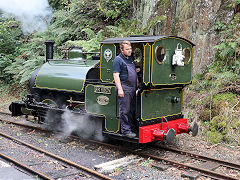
[102, 89]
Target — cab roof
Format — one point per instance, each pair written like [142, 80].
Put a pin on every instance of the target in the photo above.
[140, 39]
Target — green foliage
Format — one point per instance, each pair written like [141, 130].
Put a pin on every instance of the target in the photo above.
[219, 124]
[198, 76]
[166, 2]
[91, 45]
[153, 22]
[228, 50]
[31, 57]
[70, 22]
[224, 99]
[199, 83]
[217, 78]
[147, 162]
[112, 9]
[214, 137]
[220, 26]
[223, 79]
[75, 23]
[5, 61]
[220, 128]
[222, 120]
[21, 69]
[9, 46]
[58, 4]
[218, 103]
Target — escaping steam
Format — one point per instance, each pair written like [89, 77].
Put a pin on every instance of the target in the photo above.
[81, 125]
[34, 15]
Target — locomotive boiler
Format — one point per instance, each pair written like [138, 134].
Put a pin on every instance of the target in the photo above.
[85, 86]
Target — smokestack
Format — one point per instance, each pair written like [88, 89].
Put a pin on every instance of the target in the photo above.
[49, 49]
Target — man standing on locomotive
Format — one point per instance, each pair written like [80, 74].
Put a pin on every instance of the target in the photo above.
[125, 77]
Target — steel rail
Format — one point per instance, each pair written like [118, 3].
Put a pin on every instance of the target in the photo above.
[5, 113]
[24, 166]
[221, 162]
[58, 157]
[205, 171]
[25, 125]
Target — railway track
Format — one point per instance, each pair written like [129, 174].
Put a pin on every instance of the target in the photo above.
[204, 158]
[59, 167]
[5, 113]
[206, 166]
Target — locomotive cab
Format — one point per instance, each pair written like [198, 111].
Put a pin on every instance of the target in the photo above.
[165, 64]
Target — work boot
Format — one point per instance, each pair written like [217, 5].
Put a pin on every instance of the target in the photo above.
[131, 135]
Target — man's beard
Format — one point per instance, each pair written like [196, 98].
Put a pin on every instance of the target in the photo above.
[126, 56]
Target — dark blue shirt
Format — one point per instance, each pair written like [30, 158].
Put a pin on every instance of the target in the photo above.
[120, 67]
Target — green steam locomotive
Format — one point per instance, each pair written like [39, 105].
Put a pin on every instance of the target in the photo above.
[83, 85]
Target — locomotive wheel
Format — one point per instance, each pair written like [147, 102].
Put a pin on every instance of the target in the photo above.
[47, 99]
[53, 99]
[50, 102]
[26, 111]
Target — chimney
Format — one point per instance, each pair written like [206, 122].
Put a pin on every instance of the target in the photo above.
[49, 50]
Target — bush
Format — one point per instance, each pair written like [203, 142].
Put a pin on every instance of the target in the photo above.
[228, 50]
[214, 137]
[9, 46]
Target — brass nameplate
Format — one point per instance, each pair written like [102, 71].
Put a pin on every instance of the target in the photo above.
[102, 89]
[102, 100]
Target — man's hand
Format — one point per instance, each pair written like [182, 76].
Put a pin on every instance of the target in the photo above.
[120, 93]
[138, 70]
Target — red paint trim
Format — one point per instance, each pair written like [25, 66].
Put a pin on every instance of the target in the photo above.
[149, 133]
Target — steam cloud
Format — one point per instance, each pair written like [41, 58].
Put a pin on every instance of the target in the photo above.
[34, 15]
[69, 123]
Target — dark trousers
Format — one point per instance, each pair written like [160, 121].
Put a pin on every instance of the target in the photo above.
[127, 106]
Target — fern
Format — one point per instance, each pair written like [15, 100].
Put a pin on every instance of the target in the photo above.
[228, 51]
[92, 45]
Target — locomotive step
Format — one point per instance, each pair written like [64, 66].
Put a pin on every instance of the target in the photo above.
[120, 136]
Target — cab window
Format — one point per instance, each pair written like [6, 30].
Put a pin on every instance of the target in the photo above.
[160, 54]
